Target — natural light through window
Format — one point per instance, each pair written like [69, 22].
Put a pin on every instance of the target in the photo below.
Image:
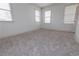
[37, 15]
[69, 16]
[48, 16]
[5, 12]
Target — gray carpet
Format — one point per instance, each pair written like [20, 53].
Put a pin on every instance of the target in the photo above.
[40, 43]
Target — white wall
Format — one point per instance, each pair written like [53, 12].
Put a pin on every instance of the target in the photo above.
[57, 22]
[23, 20]
[77, 27]
[77, 32]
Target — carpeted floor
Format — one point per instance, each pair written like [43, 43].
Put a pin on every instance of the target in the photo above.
[40, 43]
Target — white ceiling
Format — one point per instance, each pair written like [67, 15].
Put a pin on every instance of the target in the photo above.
[43, 4]
[48, 4]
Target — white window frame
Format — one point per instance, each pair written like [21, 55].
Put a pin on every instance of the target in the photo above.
[49, 16]
[68, 13]
[37, 16]
[5, 12]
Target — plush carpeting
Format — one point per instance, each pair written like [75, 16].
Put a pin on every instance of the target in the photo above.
[40, 43]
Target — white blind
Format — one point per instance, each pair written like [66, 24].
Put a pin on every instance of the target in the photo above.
[5, 12]
[48, 16]
[69, 16]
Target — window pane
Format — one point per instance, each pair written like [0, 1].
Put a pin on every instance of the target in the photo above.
[69, 17]
[4, 6]
[5, 15]
[71, 8]
[70, 14]
[37, 19]
[69, 22]
[37, 13]
[47, 20]
[48, 16]
[47, 13]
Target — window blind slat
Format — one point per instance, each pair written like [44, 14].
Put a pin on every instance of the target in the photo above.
[69, 16]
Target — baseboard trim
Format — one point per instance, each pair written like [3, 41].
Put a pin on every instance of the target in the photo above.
[18, 34]
[57, 30]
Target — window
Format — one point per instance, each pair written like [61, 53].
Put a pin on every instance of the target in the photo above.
[70, 14]
[37, 15]
[5, 14]
[48, 16]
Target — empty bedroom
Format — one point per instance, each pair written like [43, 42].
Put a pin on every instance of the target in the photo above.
[39, 29]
